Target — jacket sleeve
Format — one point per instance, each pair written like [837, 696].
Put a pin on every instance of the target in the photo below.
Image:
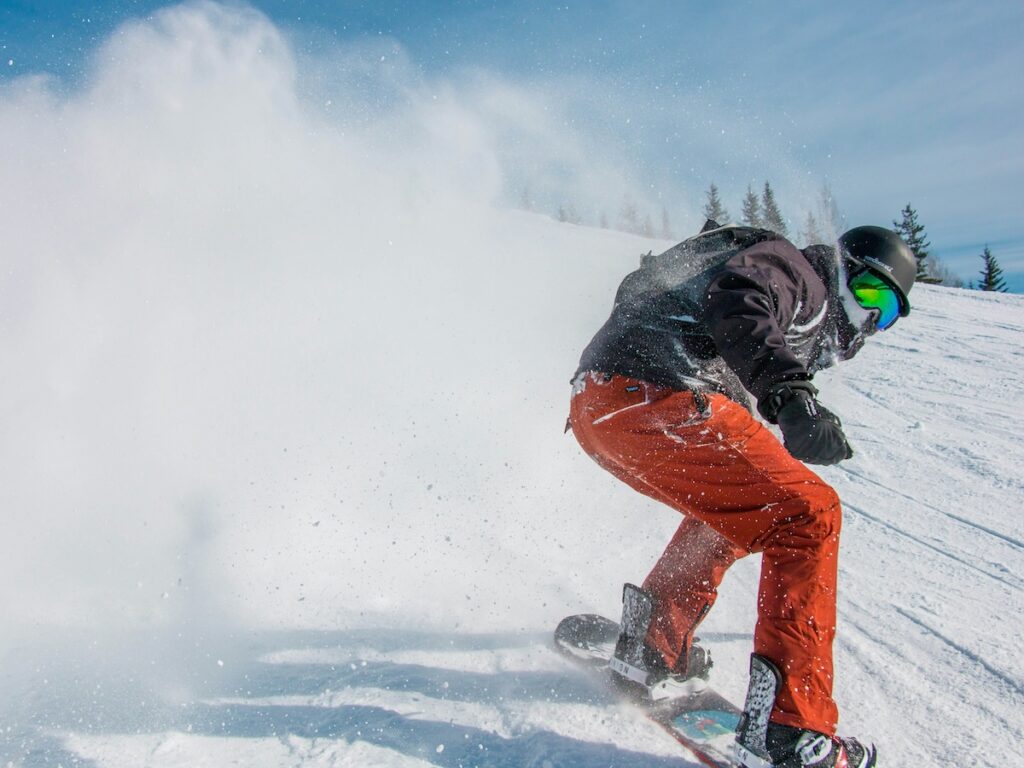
[747, 308]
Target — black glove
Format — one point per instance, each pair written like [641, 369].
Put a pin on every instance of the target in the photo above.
[810, 432]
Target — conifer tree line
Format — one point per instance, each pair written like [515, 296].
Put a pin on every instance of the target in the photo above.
[759, 209]
[931, 270]
[824, 224]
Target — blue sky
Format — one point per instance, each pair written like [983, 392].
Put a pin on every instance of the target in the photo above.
[887, 102]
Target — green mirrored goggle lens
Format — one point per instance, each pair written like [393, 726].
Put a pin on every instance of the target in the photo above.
[872, 292]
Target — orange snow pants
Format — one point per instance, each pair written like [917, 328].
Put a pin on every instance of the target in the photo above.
[740, 492]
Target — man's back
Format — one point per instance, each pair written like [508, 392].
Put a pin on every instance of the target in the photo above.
[672, 315]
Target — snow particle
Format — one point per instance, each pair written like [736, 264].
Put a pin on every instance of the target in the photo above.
[440, 748]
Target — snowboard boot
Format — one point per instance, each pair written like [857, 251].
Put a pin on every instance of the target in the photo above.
[635, 663]
[763, 744]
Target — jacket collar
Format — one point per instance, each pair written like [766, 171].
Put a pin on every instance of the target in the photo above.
[850, 323]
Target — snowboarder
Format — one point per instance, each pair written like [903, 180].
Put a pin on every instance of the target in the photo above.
[661, 400]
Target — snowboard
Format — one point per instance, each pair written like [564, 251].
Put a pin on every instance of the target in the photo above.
[703, 721]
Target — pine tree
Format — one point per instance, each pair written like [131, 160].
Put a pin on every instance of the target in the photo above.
[991, 273]
[752, 209]
[831, 221]
[913, 235]
[568, 214]
[647, 228]
[811, 234]
[666, 225]
[770, 213]
[713, 208]
[629, 217]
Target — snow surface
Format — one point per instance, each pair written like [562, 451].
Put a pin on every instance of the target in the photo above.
[453, 666]
[286, 481]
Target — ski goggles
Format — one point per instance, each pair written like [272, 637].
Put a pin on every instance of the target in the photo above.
[872, 292]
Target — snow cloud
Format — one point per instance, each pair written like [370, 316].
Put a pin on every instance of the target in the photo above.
[264, 335]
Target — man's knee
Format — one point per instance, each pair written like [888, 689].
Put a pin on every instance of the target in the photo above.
[826, 503]
[814, 517]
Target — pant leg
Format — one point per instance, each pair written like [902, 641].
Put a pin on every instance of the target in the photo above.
[684, 584]
[731, 473]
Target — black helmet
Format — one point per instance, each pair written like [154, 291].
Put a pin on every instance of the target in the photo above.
[885, 254]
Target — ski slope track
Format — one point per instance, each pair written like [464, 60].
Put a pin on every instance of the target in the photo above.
[424, 640]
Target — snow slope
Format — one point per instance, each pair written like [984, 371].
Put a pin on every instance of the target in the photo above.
[456, 669]
[285, 476]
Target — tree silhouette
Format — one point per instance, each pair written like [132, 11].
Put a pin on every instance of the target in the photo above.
[831, 221]
[752, 209]
[629, 216]
[647, 228]
[913, 234]
[811, 234]
[666, 225]
[713, 208]
[770, 214]
[991, 273]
